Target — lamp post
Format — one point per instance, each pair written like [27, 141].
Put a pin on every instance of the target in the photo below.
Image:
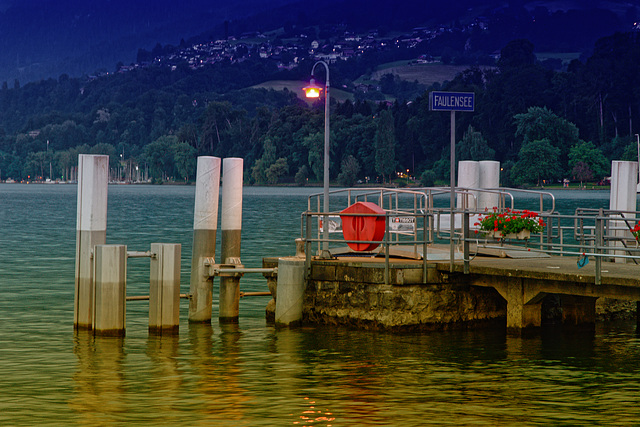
[313, 91]
[50, 170]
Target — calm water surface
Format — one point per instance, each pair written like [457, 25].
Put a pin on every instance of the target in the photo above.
[253, 374]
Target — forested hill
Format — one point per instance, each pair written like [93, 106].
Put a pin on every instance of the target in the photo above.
[541, 124]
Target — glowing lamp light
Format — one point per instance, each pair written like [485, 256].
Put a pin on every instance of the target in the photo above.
[313, 90]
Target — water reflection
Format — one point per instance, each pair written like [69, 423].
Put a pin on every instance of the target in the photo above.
[166, 380]
[99, 381]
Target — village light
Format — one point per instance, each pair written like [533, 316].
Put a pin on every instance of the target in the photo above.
[313, 91]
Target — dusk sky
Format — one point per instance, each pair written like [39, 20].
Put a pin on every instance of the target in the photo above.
[40, 38]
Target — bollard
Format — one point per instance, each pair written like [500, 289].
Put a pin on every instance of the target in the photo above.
[624, 182]
[205, 224]
[489, 177]
[468, 177]
[290, 289]
[110, 287]
[91, 230]
[164, 289]
[231, 224]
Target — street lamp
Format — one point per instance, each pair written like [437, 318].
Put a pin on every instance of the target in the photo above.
[313, 91]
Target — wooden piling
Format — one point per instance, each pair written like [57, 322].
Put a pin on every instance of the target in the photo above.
[231, 224]
[205, 224]
[164, 289]
[110, 263]
[91, 230]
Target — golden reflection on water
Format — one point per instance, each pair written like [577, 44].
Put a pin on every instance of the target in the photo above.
[99, 380]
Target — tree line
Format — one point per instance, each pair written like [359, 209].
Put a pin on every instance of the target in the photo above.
[542, 124]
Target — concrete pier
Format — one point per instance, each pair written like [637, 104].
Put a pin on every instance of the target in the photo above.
[164, 289]
[291, 288]
[505, 290]
[205, 225]
[468, 177]
[91, 230]
[110, 288]
[624, 181]
[231, 225]
[488, 177]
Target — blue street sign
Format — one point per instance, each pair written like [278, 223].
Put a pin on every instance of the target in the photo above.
[451, 101]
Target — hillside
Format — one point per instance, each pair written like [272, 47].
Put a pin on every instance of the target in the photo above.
[426, 74]
[48, 38]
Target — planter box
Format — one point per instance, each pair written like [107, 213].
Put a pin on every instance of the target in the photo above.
[522, 235]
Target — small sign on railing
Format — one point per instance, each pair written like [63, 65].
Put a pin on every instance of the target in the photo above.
[402, 224]
[335, 224]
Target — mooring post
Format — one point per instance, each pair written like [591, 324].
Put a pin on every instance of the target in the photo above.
[468, 177]
[164, 289]
[624, 183]
[110, 279]
[205, 225]
[231, 224]
[91, 230]
[488, 177]
[290, 288]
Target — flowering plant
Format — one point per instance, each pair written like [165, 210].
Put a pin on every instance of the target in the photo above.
[512, 222]
[636, 231]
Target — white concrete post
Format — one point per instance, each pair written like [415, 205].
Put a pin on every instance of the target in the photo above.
[231, 224]
[91, 230]
[489, 177]
[468, 175]
[110, 278]
[624, 181]
[291, 285]
[164, 289]
[205, 225]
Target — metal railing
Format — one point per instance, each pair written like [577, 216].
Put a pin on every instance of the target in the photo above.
[599, 234]
[604, 235]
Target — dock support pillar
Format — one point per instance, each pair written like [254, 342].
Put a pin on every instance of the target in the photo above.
[164, 290]
[522, 311]
[578, 310]
[231, 224]
[205, 225]
[110, 280]
[291, 286]
[91, 230]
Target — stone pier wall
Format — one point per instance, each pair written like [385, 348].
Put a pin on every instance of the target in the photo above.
[380, 306]
[355, 294]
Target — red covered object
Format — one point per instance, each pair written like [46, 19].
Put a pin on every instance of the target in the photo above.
[363, 227]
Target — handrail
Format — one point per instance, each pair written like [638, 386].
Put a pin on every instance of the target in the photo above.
[596, 233]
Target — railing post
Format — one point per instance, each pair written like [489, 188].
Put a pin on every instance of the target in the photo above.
[164, 289]
[386, 249]
[599, 243]
[110, 278]
[307, 249]
[424, 245]
[465, 241]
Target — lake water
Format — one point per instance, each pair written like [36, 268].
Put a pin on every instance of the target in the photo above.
[251, 373]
